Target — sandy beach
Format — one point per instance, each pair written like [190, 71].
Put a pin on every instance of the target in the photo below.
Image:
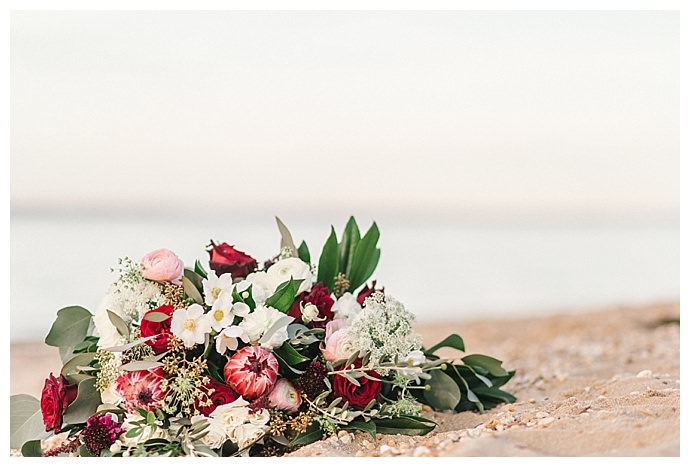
[596, 383]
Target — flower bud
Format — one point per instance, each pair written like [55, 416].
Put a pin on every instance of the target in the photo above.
[285, 396]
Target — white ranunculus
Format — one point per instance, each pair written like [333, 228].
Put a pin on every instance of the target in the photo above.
[346, 307]
[261, 320]
[262, 286]
[214, 286]
[105, 329]
[232, 414]
[293, 268]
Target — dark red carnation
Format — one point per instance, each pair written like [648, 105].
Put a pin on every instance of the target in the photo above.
[160, 329]
[222, 394]
[226, 259]
[357, 396]
[367, 291]
[320, 297]
[55, 398]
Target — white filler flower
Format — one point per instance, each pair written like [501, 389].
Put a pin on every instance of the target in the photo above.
[190, 325]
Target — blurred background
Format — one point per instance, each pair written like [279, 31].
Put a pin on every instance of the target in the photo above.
[515, 162]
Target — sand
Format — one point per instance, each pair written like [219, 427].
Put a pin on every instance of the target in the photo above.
[598, 383]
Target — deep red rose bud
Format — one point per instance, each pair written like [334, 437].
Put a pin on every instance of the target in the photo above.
[357, 396]
[55, 398]
[161, 329]
[367, 291]
[226, 259]
[222, 394]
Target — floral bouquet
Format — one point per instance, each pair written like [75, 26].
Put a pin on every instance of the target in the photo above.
[242, 359]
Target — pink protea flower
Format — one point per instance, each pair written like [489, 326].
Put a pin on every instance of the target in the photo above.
[251, 371]
[141, 389]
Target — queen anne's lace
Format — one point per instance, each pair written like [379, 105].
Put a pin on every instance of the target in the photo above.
[384, 329]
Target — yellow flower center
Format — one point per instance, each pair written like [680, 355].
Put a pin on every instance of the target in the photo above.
[218, 315]
[190, 324]
[215, 292]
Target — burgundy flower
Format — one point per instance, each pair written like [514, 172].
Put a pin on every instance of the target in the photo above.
[141, 389]
[222, 394]
[366, 291]
[320, 297]
[357, 396]
[161, 329]
[251, 371]
[226, 259]
[55, 398]
[100, 433]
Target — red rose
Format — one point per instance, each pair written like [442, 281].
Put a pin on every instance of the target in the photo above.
[222, 394]
[366, 291]
[161, 329]
[320, 297]
[225, 259]
[357, 396]
[55, 398]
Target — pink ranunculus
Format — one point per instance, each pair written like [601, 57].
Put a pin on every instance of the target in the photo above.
[162, 266]
[251, 371]
[337, 344]
[284, 396]
[141, 389]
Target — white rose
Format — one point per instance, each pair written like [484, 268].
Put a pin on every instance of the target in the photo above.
[261, 320]
[247, 434]
[294, 268]
[346, 307]
[215, 433]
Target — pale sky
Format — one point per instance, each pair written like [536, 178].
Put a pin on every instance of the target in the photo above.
[497, 111]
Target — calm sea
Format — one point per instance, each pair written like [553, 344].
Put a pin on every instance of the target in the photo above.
[442, 270]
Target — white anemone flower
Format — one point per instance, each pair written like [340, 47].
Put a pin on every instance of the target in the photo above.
[190, 325]
[221, 313]
[263, 320]
[228, 339]
[214, 286]
[293, 268]
[415, 360]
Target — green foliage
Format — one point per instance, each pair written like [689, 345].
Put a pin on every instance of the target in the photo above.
[69, 329]
[404, 425]
[453, 341]
[32, 448]
[191, 290]
[329, 261]
[26, 420]
[444, 393]
[87, 402]
[284, 295]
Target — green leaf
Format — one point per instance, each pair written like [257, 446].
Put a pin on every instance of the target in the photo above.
[303, 252]
[444, 393]
[82, 359]
[495, 393]
[191, 290]
[249, 301]
[286, 238]
[156, 317]
[32, 448]
[199, 269]
[290, 355]
[348, 243]
[328, 261]
[312, 434]
[70, 327]
[138, 365]
[365, 259]
[26, 420]
[453, 341]
[490, 364]
[119, 323]
[87, 402]
[84, 451]
[284, 295]
[404, 425]
[196, 278]
[367, 427]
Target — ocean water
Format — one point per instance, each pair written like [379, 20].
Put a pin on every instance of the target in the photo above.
[442, 270]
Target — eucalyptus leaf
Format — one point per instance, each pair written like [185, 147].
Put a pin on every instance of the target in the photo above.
[26, 420]
[87, 401]
[156, 317]
[130, 345]
[119, 323]
[139, 365]
[72, 366]
[84, 451]
[70, 327]
[286, 238]
[32, 448]
[444, 393]
[328, 261]
[196, 278]
[191, 290]
[283, 321]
